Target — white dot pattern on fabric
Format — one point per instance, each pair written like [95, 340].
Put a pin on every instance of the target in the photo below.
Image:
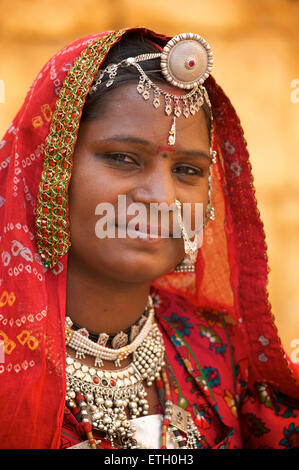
[229, 147]
[263, 340]
[263, 358]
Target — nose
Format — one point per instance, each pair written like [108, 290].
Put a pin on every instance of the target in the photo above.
[155, 186]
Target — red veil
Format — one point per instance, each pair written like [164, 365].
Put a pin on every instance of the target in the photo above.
[231, 269]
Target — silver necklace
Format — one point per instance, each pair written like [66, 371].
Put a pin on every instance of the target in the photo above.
[108, 399]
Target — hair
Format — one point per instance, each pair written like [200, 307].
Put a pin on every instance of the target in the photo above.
[130, 45]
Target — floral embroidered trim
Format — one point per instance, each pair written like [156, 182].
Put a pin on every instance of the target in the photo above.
[52, 221]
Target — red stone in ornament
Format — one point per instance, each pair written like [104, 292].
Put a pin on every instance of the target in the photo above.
[79, 397]
[112, 383]
[96, 380]
[191, 63]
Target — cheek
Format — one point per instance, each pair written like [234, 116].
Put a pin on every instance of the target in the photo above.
[88, 188]
[198, 194]
[198, 200]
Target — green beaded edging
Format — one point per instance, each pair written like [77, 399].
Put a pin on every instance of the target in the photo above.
[52, 215]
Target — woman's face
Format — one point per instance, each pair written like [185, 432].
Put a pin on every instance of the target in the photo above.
[125, 152]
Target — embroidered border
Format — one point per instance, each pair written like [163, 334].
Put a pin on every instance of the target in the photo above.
[52, 221]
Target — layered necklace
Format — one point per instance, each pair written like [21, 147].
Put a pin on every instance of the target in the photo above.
[106, 400]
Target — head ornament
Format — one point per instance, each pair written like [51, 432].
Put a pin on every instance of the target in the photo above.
[185, 61]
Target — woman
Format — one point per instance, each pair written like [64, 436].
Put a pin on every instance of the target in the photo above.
[210, 373]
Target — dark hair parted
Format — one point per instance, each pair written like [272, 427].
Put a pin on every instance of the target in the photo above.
[130, 45]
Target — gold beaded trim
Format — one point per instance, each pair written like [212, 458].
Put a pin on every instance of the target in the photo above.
[52, 221]
[68, 335]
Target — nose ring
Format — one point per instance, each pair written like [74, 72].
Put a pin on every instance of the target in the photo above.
[190, 247]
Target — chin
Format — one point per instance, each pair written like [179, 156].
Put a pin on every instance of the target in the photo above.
[125, 262]
[135, 269]
[139, 272]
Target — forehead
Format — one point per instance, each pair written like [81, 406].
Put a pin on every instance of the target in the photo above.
[123, 111]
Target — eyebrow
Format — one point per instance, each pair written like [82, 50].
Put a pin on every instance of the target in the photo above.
[138, 140]
[123, 138]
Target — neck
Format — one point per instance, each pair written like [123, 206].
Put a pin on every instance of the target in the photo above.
[100, 304]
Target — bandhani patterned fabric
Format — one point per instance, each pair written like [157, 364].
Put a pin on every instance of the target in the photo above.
[222, 345]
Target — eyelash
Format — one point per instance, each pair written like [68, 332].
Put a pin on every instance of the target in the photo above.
[118, 158]
[195, 171]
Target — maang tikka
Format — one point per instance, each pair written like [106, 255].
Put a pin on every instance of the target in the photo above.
[186, 62]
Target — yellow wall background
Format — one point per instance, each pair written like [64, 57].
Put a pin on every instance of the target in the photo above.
[255, 44]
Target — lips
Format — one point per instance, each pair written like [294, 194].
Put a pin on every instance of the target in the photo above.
[154, 231]
[146, 231]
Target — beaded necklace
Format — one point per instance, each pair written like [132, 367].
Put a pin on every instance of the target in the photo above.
[99, 398]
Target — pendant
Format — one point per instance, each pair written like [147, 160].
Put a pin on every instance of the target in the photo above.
[120, 340]
[179, 418]
[102, 339]
[172, 133]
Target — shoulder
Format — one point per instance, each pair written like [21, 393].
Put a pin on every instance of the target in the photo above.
[168, 304]
[203, 327]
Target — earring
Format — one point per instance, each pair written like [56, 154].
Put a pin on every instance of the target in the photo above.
[185, 266]
[210, 211]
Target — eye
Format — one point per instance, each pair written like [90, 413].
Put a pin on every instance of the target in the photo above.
[188, 170]
[119, 158]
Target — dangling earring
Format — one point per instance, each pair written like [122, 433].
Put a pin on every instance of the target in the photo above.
[210, 211]
[187, 264]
